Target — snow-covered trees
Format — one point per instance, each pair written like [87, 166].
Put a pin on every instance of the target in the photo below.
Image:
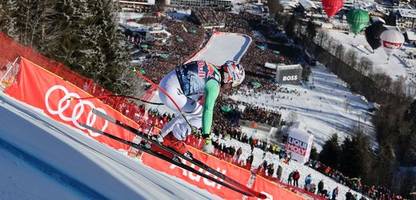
[80, 33]
[7, 17]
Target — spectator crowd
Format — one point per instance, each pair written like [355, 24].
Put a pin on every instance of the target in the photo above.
[187, 39]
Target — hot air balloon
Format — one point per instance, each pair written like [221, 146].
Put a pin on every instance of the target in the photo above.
[331, 7]
[357, 19]
[391, 40]
[373, 32]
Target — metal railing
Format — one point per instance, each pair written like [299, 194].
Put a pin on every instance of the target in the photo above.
[9, 76]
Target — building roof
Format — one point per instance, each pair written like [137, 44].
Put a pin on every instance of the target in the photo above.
[408, 13]
[307, 4]
[270, 65]
[411, 35]
[287, 67]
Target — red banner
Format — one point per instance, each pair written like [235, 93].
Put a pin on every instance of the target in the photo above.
[273, 190]
[226, 168]
[58, 99]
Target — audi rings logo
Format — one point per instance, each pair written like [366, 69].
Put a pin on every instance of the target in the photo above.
[77, 111]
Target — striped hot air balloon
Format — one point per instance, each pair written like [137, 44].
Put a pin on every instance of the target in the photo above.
[391, 40]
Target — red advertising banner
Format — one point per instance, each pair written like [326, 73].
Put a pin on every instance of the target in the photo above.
[273, 190]
[59, 100]
[224, 167]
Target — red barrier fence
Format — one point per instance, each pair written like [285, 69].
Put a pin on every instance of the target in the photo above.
[57, 98]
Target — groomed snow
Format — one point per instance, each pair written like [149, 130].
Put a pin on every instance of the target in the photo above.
[326, 109]
[43, 159]
[224, 46]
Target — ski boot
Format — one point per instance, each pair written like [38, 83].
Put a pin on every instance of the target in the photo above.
[188, 155]
[143, 143]
[183, 161]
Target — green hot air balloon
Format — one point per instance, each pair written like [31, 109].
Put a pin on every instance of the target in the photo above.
[357, 19]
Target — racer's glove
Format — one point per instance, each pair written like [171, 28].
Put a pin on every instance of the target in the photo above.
[197, 132]
[158, 138]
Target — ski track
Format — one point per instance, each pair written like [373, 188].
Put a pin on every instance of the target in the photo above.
[51, 171]
[71, 165]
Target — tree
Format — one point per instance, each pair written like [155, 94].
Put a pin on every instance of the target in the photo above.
[351, 58]
[311, 29]
[113, 58]
[330, 152]
[340, 51]
[8, 20]
[322, 38]
[290, 26]
[31, 16]
[391, 18]
[275, 7]
[384, 165]
[410, 115]
[67, 27]
[382, 81]
[306, 71]
[84, 36]
[398, 86]
[314, 154]
[365, 66]
[355, 158]
[24, 20]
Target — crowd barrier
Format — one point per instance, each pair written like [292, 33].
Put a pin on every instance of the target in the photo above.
[59, 99]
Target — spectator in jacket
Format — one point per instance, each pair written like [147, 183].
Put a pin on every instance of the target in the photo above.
[296, 176]
[334, 193]
[320, 187]
[290, 178]
[308, 181]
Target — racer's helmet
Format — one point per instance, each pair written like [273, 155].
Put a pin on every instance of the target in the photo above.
[233, 73]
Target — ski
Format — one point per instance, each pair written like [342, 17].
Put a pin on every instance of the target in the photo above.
[167, 159]
[193, 161]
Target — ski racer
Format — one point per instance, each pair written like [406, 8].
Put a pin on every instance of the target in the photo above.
[194, 88]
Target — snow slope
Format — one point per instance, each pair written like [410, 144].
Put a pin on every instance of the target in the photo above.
[326, 109]
[224, 46]
[43, 159]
